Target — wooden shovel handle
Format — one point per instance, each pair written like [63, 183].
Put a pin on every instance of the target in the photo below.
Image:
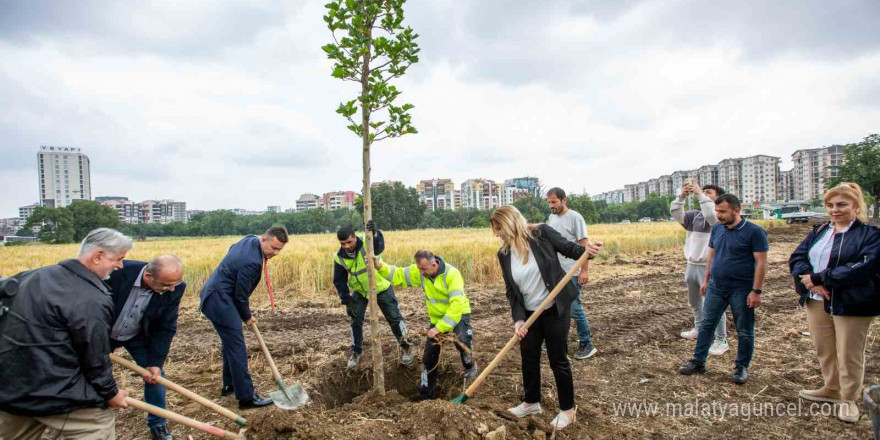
[515, 339]
[183, 420]
[275, 372]
[180, 390]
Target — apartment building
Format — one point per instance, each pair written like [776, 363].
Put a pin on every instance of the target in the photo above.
[812, 169]
[480, 194]
[438, 194]
[64, 176]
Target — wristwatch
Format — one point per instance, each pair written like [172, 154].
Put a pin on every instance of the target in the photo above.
[758, 291]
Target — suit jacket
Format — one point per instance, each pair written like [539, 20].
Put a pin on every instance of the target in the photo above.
[225, 299]
[544, 247]
[160, 319]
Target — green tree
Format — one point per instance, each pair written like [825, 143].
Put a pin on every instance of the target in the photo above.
[374, 49]
[56, 225]
[861, 164]
[395, 207]
[585, 206]
[535, 209]
[89, 215]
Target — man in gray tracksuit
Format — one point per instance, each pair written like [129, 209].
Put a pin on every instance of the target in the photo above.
[698, 225]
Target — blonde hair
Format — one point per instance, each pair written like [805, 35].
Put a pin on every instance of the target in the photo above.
[513, 229]
[853, 192]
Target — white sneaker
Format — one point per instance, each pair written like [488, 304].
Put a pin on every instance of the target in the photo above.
[718, 348]
[525, 409]
[563, 419]
[690, 334]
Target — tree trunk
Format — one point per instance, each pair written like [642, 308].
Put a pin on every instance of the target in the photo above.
[376, 345]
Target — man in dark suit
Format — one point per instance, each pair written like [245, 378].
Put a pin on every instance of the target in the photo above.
[146, 298]
[225, 301]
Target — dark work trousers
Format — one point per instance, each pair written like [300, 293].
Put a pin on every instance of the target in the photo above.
[431, 357]
[552, 328]
[235, 361]
[390, 308]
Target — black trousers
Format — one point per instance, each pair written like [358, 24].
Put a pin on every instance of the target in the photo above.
[389, 307]
[552, 328]
[431, 356]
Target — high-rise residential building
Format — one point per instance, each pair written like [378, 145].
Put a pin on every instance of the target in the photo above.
[102, 199]
[162, 211]
[64, 176]
[531, 185]
[630, 193]
[128, 212]
[665, 186]
[707, 175]
[480, 194]
[785, 187]
[642, 191]
[307, 201]
[437, 193]
[653, 186]
[812, 169]
[26, 211]
[339, 200]
[273, 209]
[760, 175]
[730, 176]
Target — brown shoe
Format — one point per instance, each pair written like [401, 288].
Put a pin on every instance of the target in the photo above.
[849, 412]
[821, 395]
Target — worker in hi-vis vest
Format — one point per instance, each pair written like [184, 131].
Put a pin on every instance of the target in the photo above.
[448, 310]
[350, 274]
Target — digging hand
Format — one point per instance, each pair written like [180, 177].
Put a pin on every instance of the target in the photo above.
[153, 377]
[251, 321]
[593, 248]
[519, 330]
[433, 332]
[118, 401]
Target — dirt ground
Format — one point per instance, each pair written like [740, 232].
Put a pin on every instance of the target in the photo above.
[637, 305]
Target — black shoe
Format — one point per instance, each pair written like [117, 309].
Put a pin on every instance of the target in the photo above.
[740, 375]
[161, 433]
[692, 368]
[254, 402]
[227, 390]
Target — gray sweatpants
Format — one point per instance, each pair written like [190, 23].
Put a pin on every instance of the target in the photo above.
[693, 276]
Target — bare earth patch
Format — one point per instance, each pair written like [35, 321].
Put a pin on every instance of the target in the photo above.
[637, 306]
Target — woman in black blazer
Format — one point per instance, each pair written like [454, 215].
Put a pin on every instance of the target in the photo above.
[531, 269]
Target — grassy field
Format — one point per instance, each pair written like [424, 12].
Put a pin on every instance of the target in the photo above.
[305, 266]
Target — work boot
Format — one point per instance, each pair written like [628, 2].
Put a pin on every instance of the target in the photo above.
[821, 395]
[254, 402]
[353, 360]
[740, 375]
[227, 390]
[692, 368]
[585, 351]
[408, 355]
[470, 373]
[160, 432]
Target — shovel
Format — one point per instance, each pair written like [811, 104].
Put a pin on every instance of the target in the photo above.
[286, 397]
[180, 390]
[183, 420]
[515, 339]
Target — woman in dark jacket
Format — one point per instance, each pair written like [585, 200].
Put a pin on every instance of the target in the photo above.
[531, 269]
[836, 274]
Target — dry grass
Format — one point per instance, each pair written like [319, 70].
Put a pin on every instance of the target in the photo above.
[305, 266]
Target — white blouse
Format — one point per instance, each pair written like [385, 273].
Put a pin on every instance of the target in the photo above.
[529, 281]
[820, 253]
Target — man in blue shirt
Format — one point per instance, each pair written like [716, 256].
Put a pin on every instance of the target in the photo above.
[735, 272]
[225, 301]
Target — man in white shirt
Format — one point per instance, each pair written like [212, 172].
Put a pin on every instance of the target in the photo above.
[571, 225]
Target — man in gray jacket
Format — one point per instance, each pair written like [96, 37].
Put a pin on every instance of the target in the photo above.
[55, 347]
[698, 225]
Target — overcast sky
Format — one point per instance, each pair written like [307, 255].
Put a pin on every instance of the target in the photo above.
[229, 104]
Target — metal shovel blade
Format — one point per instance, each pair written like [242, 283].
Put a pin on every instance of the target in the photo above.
[291, 397]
